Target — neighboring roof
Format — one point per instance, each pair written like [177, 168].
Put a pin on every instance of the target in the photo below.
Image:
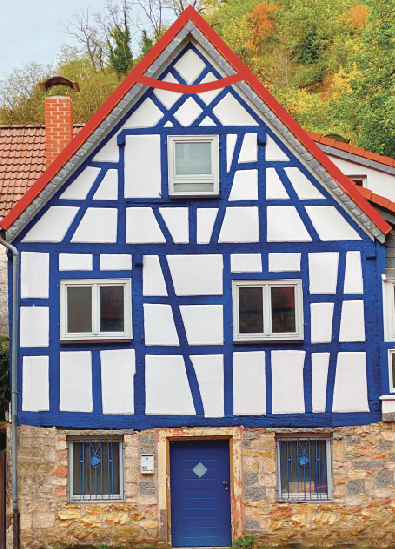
[191, 23]
[22, 161]
[355, 154]
[377, 199]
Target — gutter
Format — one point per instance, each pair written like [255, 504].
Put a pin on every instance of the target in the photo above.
[14, 390]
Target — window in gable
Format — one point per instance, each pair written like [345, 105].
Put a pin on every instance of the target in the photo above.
[193, 165]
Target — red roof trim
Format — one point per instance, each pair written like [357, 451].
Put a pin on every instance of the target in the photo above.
[185, 88]
[244, 72]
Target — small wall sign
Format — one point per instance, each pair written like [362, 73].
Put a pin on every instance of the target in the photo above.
[147, 464]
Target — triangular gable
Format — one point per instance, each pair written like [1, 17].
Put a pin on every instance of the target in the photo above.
[235, 73]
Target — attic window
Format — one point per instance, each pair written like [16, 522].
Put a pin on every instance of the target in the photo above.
[193, 165]
[359, 180]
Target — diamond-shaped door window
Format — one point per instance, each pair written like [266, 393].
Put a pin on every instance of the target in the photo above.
[199, 469]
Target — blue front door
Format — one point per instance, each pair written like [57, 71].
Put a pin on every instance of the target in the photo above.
[200, 493]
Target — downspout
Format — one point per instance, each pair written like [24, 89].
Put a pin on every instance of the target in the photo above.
[14, 389]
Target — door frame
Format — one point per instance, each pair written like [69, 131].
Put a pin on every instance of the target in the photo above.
[234, 435]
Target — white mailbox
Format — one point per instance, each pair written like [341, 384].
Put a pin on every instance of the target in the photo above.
[147, 464]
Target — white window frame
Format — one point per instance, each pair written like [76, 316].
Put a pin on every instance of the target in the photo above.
[301, 496]
[95, 284]
[389, 309]
[89, 498]
[189, 179]
[361, 177]
[391, 378]
[267, 334]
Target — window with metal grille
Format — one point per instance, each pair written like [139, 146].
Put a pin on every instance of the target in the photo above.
[304, 469]
[96, 469]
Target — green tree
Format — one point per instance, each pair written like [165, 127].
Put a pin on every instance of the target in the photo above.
[121, 57]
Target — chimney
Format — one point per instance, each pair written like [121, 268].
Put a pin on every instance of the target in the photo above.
[58, 117]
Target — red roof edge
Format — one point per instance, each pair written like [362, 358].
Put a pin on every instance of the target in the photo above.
[191, 14]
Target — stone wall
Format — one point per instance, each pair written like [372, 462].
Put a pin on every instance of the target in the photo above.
[3, 292]
[361, 514]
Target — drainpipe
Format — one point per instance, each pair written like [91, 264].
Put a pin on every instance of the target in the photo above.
[14, 389]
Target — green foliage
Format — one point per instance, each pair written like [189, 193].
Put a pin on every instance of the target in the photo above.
[146, 43]
[5, 393]
[103, 546]
[246, 542]
[121, 57]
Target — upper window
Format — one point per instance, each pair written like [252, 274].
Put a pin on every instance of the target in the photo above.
[389, 309]
[267, 310]
[193, 165]
[359, 180]
[95, 469]
[95, 309]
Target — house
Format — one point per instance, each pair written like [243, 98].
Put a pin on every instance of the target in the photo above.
[202, 352]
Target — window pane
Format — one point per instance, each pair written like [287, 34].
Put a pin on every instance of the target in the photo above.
[193, 158]
[96, 469]
[303, 469]
[79, 309]
[250, 310]
[283, 310]
[393, 369]
[111, 309]
[195, 187]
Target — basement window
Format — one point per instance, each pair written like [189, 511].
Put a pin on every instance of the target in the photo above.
[95, 309]
[193, 165]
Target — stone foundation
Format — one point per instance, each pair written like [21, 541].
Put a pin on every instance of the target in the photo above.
[361, 513]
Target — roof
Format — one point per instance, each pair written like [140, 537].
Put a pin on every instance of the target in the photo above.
[22, 161]
[190, 22]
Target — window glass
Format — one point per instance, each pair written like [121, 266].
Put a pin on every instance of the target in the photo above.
[283, 309]
[111, 309]
[193, 158]
[79, 309]
[250, 310]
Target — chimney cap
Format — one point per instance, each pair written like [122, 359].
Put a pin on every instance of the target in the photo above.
[58, 81]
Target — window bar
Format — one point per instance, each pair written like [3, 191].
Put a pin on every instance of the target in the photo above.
[90, 470]
[310, 471]
[82, 469]
[122, 479]
[111, 467]
[318, 469]
[297, 461]
[289, 464]
[101, 469]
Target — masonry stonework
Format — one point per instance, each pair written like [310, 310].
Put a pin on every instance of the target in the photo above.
[360, 515]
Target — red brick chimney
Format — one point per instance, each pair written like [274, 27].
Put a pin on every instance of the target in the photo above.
[58, 124]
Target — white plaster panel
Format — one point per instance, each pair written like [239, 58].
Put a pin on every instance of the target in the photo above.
[321, 322]
[75, 262]
[168, 124]
[35, 384]
[115, 262]
[97, 225]
[142, 227]
[117, 372]
[205, 224]
[302, 186]
[350, 393]
[352, 321]
[189, 66]
[167, 390]
[53, 225]
[76, 381]
[188, 112]
[153, 282]
[323, 268]
[108, 188]
[320, 365]
[231, 113]
[196, 274]
[231, 139]
[209, 371]
[353, 280]
[203, 324]
[81, 186]
[279, 263]
[207, 121]
[245, 185]
[159, 325]
[145, 116]
[285, 225]
[177, 222]
[142, 166]
[287, 382]
[108, 153]
[34, 327]
[275, 190]
[34, 275]
[249, 383]
[273, 151]
[330, 224]
[168, 98]
[246, 263]
[207, 97]
[241, 224]
[249, 148]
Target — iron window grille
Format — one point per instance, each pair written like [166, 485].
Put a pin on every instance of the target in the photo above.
[304, 469]
[96, 469]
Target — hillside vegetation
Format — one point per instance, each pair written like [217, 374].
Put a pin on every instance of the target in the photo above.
[330, 63]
